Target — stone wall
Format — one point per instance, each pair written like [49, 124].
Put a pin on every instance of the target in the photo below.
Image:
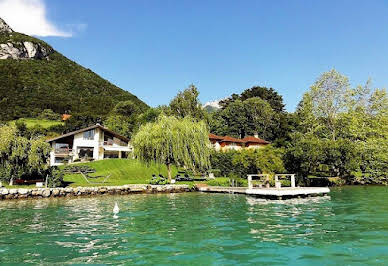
[23, 193]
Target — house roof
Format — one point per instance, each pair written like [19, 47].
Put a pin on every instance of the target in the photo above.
[230, 139]
[212, 136]
[65, 117]
[247, 139]
[90, 128]
[250, 139]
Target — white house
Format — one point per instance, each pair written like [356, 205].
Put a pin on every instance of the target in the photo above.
[94, 142]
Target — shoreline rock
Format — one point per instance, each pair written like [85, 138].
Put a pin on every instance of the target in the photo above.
[36, 193]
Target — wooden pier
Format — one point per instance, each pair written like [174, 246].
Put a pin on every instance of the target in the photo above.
[270, 193]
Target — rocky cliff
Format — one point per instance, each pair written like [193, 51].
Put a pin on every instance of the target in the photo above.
[4, 27]
[10, 48]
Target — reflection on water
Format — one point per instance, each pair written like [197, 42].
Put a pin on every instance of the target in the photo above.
[296, 219]
[349, 227]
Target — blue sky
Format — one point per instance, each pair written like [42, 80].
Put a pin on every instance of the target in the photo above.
[156, 48]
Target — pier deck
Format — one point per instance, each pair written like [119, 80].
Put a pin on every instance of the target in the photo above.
[272, 193]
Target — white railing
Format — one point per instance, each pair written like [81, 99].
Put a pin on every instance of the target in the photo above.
[266, 180]
[250, 178]
[112, 143]
[63, 151]
[277, 182]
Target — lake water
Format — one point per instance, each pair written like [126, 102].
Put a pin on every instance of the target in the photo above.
[349, 227]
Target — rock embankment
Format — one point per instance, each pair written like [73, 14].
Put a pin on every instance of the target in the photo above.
[23, 193]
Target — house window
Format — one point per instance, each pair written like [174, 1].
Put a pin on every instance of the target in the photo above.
[85, 152]
[89, 135]
[61, 147]
[59, 160]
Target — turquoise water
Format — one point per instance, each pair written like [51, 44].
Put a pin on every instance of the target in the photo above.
[349, 227]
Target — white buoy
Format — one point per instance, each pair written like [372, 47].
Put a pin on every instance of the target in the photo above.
[116, 209]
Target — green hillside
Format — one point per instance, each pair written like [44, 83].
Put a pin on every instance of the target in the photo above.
[28, 86]
[44, 123]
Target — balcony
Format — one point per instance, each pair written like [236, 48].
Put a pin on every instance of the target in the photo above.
[63, 151]
[114, 143]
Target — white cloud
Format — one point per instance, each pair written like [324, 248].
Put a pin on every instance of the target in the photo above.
[29, 17]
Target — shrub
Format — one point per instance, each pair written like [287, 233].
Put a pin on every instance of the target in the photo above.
[216, 172]
[55, 177]
[220, 182]
[49, 115]
[250, 161]
[222, 161]
[227, 182]
[158, 181]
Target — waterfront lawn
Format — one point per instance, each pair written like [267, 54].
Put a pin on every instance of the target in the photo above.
[123, 171]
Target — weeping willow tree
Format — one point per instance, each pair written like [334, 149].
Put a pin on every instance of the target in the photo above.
[170, 140]
[21, 157]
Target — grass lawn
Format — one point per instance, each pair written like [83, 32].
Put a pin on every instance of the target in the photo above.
[123, 171]
[31, 122]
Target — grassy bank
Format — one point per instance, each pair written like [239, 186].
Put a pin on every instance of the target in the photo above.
[32, 122]
[122, 171]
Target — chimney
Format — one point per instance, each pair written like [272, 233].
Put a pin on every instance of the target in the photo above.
[256, 135]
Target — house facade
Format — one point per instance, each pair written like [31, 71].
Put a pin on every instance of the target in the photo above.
[91, 143]
[225, 143]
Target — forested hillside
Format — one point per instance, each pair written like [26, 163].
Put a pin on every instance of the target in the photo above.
[34, 77]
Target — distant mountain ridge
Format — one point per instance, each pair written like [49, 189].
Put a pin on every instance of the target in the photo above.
[34, 77]
[212, 106]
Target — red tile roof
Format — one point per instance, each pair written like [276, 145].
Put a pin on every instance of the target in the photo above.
[212, 136]
[250, 139]
[230, 139]
[247, 139]
[65, 117]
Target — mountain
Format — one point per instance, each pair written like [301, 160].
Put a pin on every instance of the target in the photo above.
[212, 106]
[34, 77]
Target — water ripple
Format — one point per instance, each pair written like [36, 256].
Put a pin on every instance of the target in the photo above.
[350, 227]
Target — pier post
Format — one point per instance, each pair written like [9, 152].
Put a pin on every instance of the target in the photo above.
[277, 183]
[250, 186]
[292, 180]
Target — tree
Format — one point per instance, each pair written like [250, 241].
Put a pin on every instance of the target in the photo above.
[49, 115]
[21, 157]
[341, 131]
[149, 116]
[233, 120]
[267, 94]
[257, 110]
[329, 95]
[123, 118]
[127, 108]
[81, 120]
[261, 116]
[186, 103]
[170, 140]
